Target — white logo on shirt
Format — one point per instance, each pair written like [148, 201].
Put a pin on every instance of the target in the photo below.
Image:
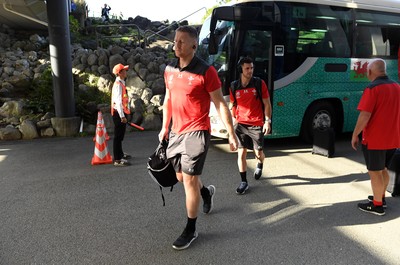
[190, 78]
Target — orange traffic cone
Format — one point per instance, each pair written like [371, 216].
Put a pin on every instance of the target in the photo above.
[101, 154]
[100, 122]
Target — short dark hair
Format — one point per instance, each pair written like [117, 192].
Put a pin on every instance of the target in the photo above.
[189, 30]
[243, 60]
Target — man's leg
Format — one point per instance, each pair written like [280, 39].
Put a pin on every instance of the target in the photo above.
[242, 162]
[242, 165]
[191, 185]
[378, 184]
[260, 162]
[378, 189]
[385, 174]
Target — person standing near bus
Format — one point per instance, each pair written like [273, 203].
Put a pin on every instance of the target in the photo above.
[191, 85]
[251, 107]
[379, 122]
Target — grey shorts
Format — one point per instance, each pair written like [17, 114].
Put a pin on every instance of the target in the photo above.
[250, 137]
[377, 160]
[187, 152]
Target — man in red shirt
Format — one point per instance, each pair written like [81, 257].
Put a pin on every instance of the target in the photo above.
[379, 122]
[253, 115]
[191, 85]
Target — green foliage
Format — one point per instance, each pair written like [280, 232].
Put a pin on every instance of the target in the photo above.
[40, 99]
[89, 97]
[74, 26]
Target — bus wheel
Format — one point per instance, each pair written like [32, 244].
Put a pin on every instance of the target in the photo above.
[320, 114]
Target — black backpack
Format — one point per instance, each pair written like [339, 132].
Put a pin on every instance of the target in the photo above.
[235, 85]
[160, 168]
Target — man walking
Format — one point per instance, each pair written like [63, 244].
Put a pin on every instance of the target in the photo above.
[191, 85]
[379, 122]
[251, 106]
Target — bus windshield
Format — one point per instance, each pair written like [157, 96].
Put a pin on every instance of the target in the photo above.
[218, 60]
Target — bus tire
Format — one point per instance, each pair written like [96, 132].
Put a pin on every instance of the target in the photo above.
[319, 114]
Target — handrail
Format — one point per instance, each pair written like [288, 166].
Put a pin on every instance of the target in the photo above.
[174, 22]
[24, 16]
[115, 25]
[154, 34]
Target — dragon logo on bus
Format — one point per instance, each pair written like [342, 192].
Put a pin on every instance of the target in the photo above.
[358, 70]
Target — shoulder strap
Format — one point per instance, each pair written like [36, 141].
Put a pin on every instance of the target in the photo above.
[258, 85]
[234, 86]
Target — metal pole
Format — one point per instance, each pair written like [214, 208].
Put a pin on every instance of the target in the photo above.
[60, 58]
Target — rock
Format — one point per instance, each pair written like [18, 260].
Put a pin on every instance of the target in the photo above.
[10, 133]
[105, 83]
[47, 132]
[152, 122]
[43, 124]
[12, 108]
[28, 130]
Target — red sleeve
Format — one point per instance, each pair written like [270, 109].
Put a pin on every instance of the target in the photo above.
[367, 102]
[212, 81]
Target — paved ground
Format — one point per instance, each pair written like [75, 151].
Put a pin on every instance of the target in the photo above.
[55, 208]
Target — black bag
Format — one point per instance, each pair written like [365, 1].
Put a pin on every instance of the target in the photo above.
[160, 169]
[394, 174]
[324, 141]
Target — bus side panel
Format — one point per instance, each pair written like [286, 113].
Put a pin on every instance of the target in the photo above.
[318, 83]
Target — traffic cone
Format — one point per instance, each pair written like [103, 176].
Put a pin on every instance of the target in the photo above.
[100, 122]
[101, 154]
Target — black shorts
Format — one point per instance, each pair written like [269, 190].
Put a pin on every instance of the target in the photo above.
[187, 152]
[250, 137]
[377, 160]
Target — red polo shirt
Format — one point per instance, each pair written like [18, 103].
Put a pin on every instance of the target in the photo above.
[189, 93]
[382, 99]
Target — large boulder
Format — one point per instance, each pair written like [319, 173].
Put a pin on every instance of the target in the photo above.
[12, 109]
[10, 133]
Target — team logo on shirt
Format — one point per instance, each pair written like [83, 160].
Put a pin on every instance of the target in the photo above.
[190, 78]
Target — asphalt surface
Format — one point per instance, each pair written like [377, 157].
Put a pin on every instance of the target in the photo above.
[56, 208]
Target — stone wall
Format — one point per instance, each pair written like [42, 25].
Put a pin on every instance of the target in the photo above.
[22, 60]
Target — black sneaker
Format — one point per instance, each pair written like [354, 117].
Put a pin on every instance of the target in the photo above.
[369, 207]
[257, 173]
[184, 240]
[371, 198]
[208, 204]
[243, 186]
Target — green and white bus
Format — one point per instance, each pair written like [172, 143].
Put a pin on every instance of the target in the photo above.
[312, 54]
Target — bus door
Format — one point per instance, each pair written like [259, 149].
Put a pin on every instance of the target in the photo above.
[256, 44]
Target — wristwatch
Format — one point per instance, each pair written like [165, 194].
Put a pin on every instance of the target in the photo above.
[267, 120]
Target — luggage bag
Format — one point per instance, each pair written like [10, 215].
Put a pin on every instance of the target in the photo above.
[324, 141]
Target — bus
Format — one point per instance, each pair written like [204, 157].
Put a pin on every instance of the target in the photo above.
[313, 56]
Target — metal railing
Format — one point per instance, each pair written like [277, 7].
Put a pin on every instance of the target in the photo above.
[135, 36]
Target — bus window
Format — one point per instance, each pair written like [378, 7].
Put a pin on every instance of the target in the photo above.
[312, 31]
[256, 44]
[377, 34]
